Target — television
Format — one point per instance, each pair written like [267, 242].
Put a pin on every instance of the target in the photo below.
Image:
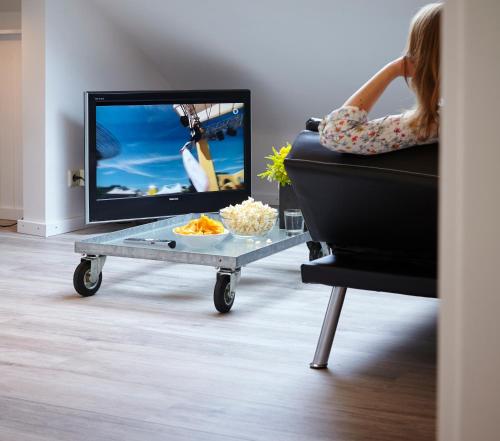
[155, 154]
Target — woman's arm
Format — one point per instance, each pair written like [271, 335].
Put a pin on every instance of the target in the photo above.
[370, 92]
[348, 130]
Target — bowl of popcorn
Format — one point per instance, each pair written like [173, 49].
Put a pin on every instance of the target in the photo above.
[248, 219]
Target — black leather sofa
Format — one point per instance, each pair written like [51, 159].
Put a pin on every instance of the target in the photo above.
[378, 215]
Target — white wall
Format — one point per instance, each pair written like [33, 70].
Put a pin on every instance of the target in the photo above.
[33, 113]
[469, 326]
[10, 128]
[80, 50]
[299, 58]
[10, 111]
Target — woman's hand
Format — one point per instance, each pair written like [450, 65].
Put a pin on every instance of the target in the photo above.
[403, 67]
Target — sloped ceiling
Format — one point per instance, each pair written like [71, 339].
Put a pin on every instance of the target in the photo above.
[299, 58]
[289, 46]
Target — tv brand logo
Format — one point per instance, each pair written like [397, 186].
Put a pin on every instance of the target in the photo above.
[99, 98]
[173, 199]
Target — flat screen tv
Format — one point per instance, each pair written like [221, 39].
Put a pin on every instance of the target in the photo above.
[154, 154]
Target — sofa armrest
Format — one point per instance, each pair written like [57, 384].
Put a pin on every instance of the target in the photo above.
[417, 160]
[312, 124]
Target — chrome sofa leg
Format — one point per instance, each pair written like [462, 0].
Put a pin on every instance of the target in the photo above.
[329, 327]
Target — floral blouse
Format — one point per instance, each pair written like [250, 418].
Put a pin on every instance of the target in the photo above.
[347, 130]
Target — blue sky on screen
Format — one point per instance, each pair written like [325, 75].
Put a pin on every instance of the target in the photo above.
[151, 137]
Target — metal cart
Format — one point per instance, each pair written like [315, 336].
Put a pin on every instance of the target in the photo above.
[228, 257]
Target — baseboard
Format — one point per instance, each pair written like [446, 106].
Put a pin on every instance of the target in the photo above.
[9, 213]
[50, 229]
[270, 198]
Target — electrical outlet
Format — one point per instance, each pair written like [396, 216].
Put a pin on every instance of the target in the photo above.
[76, 178]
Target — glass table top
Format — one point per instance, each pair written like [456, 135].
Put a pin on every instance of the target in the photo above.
[232, 251]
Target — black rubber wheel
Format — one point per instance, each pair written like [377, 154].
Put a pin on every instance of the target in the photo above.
[315, 250]
[231, 131]
[223, 299]
[81, 280]
[184, 121]
[220, 135]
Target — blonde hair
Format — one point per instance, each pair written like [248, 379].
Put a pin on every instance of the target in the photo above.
[422, 50]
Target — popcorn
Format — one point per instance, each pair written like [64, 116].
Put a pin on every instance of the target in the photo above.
[250, 218]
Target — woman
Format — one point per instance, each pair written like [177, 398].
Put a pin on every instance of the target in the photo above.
[348, 129]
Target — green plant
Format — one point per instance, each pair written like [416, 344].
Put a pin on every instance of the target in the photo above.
[275, 170]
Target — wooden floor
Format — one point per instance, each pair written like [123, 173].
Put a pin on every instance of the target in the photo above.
[148, 358]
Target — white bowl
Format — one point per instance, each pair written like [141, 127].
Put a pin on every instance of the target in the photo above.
[200, 241]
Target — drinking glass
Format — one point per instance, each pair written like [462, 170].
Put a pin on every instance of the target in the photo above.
[294, 221]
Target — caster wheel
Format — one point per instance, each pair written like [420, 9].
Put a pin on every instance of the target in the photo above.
[223, 298]
[315, 250]
[220, 135]
[81, 280]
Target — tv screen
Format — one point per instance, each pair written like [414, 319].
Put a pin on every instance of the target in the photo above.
[155, 154]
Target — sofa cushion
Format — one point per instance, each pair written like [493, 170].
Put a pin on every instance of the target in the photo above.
[413, 277]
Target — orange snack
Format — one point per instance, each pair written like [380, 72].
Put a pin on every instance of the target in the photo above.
[201, 226]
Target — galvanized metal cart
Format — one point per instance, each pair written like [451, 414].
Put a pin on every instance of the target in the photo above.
[228, 257]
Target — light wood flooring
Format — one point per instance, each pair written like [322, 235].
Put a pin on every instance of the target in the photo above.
[148, 358]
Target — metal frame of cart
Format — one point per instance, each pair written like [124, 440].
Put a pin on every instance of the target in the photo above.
[228, 258]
